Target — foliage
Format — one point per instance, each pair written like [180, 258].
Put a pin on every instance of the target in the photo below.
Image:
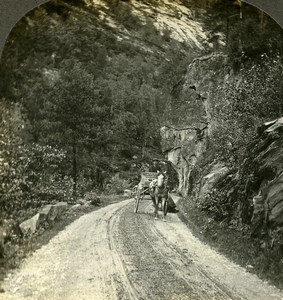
[248, 102]
[250, 37]
[93, 197]
[31, 174]
[46, 181]
[248, 31]
[216, 204]
[12, 159]
[117, 185]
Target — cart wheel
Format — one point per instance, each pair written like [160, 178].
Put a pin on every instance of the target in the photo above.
[164, 206]
[137, 202]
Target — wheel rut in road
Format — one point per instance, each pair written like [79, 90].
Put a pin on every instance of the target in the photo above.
[155, 268]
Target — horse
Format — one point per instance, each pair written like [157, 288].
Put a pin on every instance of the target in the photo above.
[159, 192]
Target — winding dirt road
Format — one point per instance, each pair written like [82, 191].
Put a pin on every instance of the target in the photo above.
[114, 253]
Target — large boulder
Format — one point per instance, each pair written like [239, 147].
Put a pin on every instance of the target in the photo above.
[9, 230]
[45, 211]
[2, 240]
[57, 210]
[48, 214]
[31, 225]
[128, 193]
[270, 162]
[262, 179]
[75, 206]
[81, 201]
[274, 201]
[217, 173]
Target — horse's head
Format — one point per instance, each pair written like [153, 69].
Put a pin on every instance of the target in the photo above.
[160, 180]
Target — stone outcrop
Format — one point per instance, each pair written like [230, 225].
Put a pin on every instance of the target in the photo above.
[31, 225]
[257, 185]
[264, 175]
[9, 230]
[196, 95]
[183, 147]
[55, 211]
[5, 231]
[217, 173]
[128, 193]
[48, 214]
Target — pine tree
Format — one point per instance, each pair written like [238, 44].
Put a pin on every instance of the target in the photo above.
[72, 115]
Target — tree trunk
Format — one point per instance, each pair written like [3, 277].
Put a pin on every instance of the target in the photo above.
[99, 178]
[144, 147]
[241, 28]
[227, 29]
[75, 171]
[261, 20]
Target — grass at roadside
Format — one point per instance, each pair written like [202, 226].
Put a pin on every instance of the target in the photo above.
[234, 244]
[22, 248]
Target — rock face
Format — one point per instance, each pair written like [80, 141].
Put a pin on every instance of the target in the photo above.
[257, 187]
[31, 225]
[183, 148]
[217, 173]
[167, 15]
[264, 175]
[259, 182]
[186, 142]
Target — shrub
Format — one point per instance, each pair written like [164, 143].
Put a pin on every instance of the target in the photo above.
[117, 185]
[93, 197]
[216, 205]
[29, 174]
[247, 102]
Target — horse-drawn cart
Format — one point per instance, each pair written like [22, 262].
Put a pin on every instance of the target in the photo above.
[143, 188]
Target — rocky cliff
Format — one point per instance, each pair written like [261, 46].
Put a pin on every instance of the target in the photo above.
[167, 16]
[261, 174]
[253, 189]
[196, 96]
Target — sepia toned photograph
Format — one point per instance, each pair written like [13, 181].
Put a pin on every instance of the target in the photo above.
[141, 155]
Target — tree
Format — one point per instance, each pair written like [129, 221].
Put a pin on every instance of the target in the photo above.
[72, 116]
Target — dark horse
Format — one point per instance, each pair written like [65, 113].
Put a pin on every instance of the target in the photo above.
[159, 194]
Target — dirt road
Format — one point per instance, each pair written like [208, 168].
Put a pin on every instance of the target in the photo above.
[113, 253]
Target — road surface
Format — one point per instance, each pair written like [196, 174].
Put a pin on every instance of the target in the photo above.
[114, 253]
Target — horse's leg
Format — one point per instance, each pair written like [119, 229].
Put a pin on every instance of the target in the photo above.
[154, 199]
[156, 205]
[164, 205]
